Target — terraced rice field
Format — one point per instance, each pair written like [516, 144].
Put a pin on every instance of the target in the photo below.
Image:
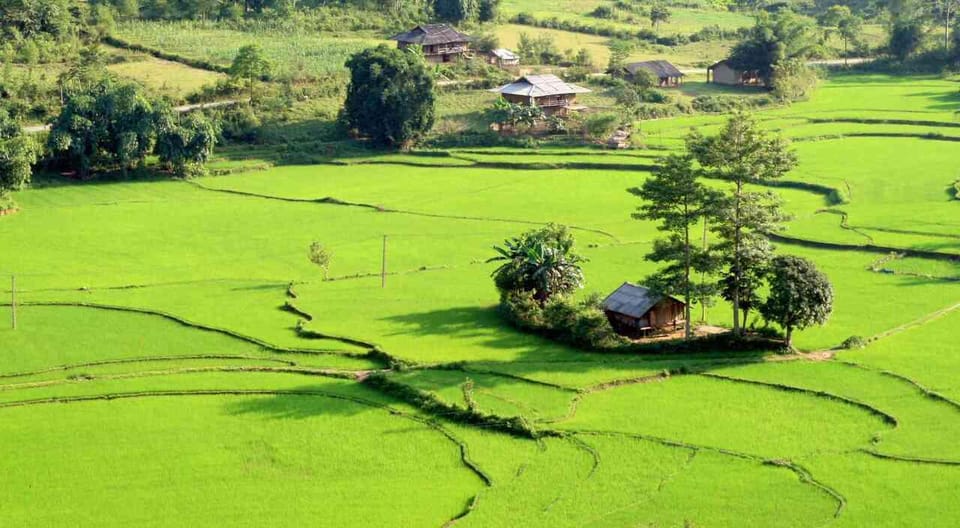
[157, 375]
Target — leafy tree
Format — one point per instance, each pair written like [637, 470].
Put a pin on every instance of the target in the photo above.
[619, 52]
[515, 115]
[250, 65]
[541, 261]
[17, 153]
[110, 123]
[946, 11]
[456, 10]
[773, 38]
[742, 153]
[800, 295]
[850, 29]
[31, 18]
[489, 10]
[659, 14]
[677, 200]
[186, 146]
[792, 79]
[321, 256]
[390, 97]
[905, 38]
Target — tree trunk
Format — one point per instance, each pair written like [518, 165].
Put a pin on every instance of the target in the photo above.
[686, 282]
[789, 340]
[736, 261]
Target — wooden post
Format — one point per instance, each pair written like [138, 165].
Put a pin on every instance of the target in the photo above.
[13, 301]
[383, 264]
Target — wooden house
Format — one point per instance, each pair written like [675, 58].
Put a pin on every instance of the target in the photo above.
[439, 42]
[724, 73]
[503, 58]
[549, 92]
[636, 311]
[666, 74]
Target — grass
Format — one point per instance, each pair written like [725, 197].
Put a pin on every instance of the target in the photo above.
[280, 429]
[296, 54]
[164, 77]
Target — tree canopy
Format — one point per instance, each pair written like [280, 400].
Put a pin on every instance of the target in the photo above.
[541, 261]
[391, 96]
[773, 38]
[800, 295]
[17, 153]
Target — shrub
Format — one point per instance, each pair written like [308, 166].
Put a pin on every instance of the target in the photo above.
[853, 343]
[598, 127]
[521, 310]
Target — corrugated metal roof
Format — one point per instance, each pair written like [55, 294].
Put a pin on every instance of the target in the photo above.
[505, 54]
[429, 34]
[630, 299]
[540, 86]
[659, 68]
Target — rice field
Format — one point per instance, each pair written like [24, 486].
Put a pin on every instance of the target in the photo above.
[178, 361]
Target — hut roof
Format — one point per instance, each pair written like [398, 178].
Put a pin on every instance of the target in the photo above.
[635, 301]
[724, 62]
[659, 68]
[504, 54]
[539, 86]
[429, 34]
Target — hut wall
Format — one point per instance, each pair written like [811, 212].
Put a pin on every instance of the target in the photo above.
[724, 74]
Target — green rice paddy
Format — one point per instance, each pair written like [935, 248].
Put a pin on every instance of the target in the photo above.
[157, 375]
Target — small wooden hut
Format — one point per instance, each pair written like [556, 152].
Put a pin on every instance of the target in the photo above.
[636, 311]
[503, 58]
[549, 92]
[439, 42]
[723, 72]
[667, 74]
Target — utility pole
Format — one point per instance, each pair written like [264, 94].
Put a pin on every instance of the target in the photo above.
[13, 301]
[383, 264]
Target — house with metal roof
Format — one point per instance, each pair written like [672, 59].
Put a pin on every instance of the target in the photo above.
[439, 42]
[663, 71]
[503, 58]
[549, 92]
[636, 311]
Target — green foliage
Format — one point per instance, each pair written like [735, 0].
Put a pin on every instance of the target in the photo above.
[619, 51]
[541, 261]
[110, 125]
[107, 124]
[678, 201]
[17, 153]
[456, 10]
[800, 295]
[321, 256]
[515, 115]
[538, 49]
[187, 145]
[743, 153]
[599, 127]
[390, 98]
[905, 38]
[659, 14]
[580, 324]
[792, 79]
[773, 39]
[250, 65]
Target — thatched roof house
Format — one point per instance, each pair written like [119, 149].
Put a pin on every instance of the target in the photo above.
[549, 92]
[666, 73]
[439, 42]
[635, 310]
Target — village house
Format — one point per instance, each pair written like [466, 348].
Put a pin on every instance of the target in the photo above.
[549, 92]
[439, 42]
[724, 73]
[503, 58]
[666, 74]
[636, 311]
